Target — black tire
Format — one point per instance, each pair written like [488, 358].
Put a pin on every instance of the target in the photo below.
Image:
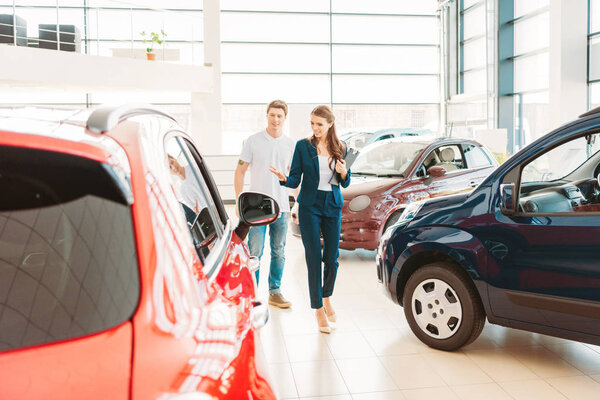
[392, 219]
[443, 288]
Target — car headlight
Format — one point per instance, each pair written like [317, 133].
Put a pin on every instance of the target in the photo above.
[359, 203]
[410, 212]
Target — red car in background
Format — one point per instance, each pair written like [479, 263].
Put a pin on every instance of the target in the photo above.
[390, 174]
[121, 276]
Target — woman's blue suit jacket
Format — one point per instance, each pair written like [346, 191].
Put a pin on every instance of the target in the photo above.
[305, 166]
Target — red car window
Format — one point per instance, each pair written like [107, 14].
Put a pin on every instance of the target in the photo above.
[194, 196]
[68, 264]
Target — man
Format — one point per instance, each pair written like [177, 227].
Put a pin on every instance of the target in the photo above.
[269, 147]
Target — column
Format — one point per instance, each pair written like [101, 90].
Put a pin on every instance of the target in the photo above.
[568, 60]
[206, 107]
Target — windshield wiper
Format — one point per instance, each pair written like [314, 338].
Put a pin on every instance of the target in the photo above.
[390, 175]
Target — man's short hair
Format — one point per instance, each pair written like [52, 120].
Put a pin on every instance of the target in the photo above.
[278, 104]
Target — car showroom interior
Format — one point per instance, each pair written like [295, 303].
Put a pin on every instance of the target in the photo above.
[317, 199]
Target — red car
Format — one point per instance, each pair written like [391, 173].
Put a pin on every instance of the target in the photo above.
[390, 174]
[121, 276]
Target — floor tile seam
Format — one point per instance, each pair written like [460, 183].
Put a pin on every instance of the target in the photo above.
[473, 361]
[514, 358]
[589, 346]
[345, 358]
[560, 391]
[294, 380]
[495, 383]
[517, 346]
[324, 396]
[352, 395]
[567, 361]
[287, 355]
[396, 383]
[319, 359]
[375, 391]
[561, 359]
[344, 379]
[547, 383]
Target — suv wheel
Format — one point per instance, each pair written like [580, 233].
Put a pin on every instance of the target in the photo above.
[442, 306]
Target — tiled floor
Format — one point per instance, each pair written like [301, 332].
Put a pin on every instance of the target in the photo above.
[372, 354]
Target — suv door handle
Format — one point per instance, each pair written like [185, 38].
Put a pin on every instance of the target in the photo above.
[259, 315]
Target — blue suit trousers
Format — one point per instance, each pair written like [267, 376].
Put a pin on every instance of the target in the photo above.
[321, 217]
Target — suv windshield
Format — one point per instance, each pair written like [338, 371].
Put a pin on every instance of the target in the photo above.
[387, 158]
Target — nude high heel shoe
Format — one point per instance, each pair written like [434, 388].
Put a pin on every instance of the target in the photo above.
[330, 317]
[322, 321]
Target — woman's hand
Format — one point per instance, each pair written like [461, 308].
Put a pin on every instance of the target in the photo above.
[279, 175]
[340, 167]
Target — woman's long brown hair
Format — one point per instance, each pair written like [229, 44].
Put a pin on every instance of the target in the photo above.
[334, 145]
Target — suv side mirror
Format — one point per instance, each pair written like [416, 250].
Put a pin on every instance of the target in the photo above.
[507, 198]
[257, 209]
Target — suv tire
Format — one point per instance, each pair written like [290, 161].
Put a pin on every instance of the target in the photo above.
[442, 306]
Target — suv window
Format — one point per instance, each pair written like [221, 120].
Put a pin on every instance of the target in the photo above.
[204, 220]
[476, 157]
[563, 179]
[68, 263]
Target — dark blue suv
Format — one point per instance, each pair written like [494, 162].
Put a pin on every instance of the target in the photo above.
[522, 249]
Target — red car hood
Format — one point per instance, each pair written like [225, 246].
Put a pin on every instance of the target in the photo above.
[370, 185]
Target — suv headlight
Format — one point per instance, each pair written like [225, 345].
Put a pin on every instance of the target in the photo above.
[359, 203]
[411, 211]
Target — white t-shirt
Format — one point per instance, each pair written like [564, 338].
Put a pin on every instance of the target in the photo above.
[325, 174]
[261, 150]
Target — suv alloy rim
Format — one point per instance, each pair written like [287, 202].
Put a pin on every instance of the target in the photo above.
[436, 308]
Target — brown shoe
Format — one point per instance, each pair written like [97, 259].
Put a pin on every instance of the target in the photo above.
[278, 300]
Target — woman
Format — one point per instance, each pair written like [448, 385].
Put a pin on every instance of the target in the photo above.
[315, 160]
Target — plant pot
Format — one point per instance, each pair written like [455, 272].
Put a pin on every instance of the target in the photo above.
[151, 56]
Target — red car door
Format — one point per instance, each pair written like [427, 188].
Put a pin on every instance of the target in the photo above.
[193, 330]
[456, 178]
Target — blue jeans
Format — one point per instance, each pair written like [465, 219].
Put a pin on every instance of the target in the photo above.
[277, 236]
[322, 217]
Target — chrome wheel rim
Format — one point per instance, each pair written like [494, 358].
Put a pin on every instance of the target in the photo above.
[436, 308]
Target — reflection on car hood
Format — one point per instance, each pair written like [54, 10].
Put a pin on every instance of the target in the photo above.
[438, 211]
[368, 185]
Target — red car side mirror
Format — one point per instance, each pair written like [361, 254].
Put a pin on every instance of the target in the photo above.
[255, 209]
[436, 171]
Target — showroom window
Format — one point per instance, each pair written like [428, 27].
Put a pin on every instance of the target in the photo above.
[68, 265]
[385, 74]
[468, 73]
[531, 70]
[110, 28]
[472, 47]
[594, 54]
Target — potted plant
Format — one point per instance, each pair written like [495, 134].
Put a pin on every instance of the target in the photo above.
[155, 38]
